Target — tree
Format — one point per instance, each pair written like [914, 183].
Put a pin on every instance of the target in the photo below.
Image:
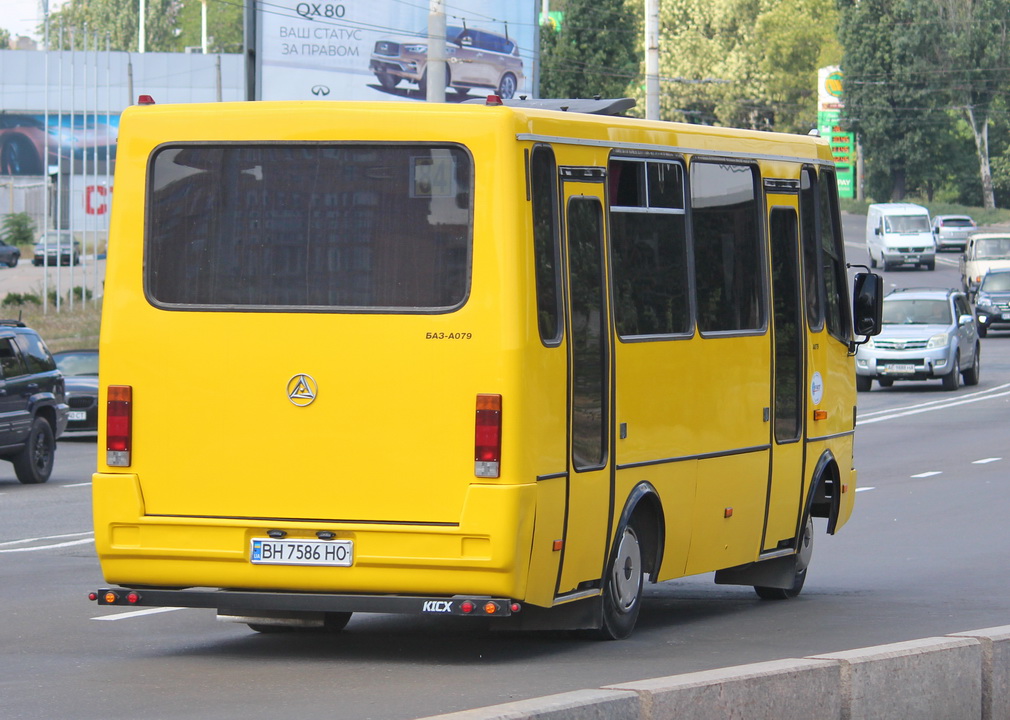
[117, 20]
[796, 38]
[224, 25]
[5, 39]
[887, 103]
[596, 51]
[964, 51]
[745, 63]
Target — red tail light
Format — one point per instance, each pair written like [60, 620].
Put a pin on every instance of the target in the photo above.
[119, 426]
[487, 437]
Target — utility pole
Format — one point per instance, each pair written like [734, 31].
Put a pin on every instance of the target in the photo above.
[435, 70]
[142, 28]
[652, 59]
[203, 27]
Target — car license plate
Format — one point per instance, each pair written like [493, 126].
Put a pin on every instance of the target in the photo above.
[900, 368]
[335, 553]
[1005, 316]
[77, 415]
[911, 258]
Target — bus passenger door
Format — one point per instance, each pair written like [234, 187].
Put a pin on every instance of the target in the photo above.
[785, 494]
[588, 514]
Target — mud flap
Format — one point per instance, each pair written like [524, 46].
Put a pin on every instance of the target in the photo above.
[775, 573]
[578, 615]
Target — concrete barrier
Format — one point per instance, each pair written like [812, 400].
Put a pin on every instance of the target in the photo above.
[932, 679]
[963, 676]
[995, 670]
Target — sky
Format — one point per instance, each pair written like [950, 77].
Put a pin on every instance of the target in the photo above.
[21, 17]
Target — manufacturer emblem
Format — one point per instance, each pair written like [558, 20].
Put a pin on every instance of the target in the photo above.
[320, 90]
[302, 389]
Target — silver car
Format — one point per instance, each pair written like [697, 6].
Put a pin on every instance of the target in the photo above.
[951, 231]
[927, 333]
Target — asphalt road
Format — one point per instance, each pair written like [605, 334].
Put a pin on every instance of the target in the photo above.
[923, 555]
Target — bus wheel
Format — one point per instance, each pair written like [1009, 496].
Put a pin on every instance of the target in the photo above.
[802, 562]
[622, 592]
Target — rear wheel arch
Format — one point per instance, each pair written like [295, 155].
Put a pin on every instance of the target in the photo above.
[824, 496]
[644, 510]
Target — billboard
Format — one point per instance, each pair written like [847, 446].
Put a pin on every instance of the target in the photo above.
[377, 49]
[830, 83]
[72, 142]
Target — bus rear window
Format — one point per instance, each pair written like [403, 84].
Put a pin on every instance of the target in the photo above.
[309, 227]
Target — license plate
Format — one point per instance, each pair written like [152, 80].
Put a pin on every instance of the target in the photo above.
[334, 553]
[1005, 316]
[77, 415]
[900, 368]
[911, 258]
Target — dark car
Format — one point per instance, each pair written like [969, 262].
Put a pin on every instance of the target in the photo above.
[9, 254]
[57, 244]
[33, 410]
[992, 302]
[80, 376]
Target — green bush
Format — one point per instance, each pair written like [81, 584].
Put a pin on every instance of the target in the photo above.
[14, 299]
[18, 229]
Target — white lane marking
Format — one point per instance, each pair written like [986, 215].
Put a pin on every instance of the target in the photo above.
[893, 414]
[927, 474]
[985, 461]
[84, 484]
[864, 489]
[49, 547]
[6, 547]
[137, 613]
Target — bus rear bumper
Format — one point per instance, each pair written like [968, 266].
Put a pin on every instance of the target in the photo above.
[249, 606]
[485, 554]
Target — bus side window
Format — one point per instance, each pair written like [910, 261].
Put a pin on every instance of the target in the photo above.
[544, 196]
[811, 264]
[727, 247]
[649, 247]
[833, 260]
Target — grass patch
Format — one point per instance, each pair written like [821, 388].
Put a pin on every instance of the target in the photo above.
[68, 329]
[999, 216]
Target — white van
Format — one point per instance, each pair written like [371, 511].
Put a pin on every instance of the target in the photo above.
[899, 234]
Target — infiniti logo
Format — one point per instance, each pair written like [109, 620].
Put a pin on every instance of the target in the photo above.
[302, 389]
[320, 90]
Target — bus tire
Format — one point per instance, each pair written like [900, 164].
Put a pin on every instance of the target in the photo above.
[34, 462]
[802, 563]
[622, 589]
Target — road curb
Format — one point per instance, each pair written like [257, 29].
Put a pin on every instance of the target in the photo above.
[962, 676]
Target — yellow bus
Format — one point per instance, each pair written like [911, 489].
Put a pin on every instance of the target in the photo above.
[506, 359]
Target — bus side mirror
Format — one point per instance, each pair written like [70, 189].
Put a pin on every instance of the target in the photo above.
[867, 304]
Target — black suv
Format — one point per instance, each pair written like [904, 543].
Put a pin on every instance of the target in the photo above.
[33, 410]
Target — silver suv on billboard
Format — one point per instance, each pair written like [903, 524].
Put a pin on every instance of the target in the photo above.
[475, 59]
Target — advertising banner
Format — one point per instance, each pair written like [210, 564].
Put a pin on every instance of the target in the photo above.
[843, 144]
[377, 49]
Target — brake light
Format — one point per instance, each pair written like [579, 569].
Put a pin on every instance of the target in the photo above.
[487, 437]
[119, 425]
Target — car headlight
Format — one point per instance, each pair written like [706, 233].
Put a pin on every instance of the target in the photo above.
[419, 49]
[938, 341]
